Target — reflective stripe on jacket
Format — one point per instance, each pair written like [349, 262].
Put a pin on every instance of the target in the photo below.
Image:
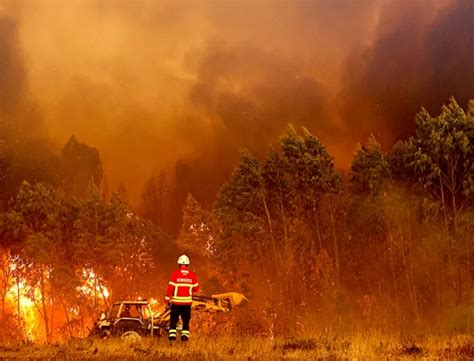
[182, 285]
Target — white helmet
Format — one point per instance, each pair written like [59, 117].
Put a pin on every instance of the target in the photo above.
[183, 259]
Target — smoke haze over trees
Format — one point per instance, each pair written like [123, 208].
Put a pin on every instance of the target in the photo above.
[132, 132]
[151, 84]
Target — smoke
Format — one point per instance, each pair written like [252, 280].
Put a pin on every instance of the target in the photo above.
[19, 117]
[252, 106]
[153, 83]
[421, 56]
[12, 72]
[13, 84]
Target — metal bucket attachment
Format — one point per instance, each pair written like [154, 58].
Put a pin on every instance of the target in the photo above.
[233, 298]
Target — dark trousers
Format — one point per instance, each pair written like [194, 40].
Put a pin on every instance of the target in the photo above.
[185, 312]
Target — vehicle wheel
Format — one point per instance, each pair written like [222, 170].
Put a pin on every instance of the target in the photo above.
[131, 337]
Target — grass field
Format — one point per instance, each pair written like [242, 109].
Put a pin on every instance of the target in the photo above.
[357, 347]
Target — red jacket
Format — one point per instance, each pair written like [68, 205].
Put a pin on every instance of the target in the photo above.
[182, 285]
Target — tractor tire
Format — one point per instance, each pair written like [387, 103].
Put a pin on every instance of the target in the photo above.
[131, 337]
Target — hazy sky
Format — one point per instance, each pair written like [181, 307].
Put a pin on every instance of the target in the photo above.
[149, 82]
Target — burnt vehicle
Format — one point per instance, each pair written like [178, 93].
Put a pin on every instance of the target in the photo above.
[133, 319]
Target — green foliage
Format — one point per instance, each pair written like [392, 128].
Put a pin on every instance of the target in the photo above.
[239, 203]
[401, 158]
[197, 235]
[110, 239]
[267, 212]
[309, 165]
[444, 152]
[370, 168]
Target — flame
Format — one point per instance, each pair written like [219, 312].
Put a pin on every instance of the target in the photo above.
[20, 299]
[93, 286]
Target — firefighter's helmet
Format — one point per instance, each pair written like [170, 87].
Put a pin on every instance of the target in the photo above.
[183, 259]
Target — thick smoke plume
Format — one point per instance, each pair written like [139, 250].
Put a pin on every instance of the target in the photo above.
[151, 83]
[421, 56]
[18, 118]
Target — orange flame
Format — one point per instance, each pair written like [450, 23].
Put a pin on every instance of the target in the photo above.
[20, 299]
[93, 286]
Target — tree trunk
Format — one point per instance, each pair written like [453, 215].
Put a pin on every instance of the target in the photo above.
[5, 287]
[392, 266]
[283, 217]
[453, 164]
[44, 308]
[318, 231]
[51, 332]
[82, 321]
[336, 247]
[18, 304]
[454, 211]
[443, 202]
[468, 251]
[407, 268]
[3, 305]
[270, 226]
[102, 292]
[95, 291]
[288, 273]
[67, 317]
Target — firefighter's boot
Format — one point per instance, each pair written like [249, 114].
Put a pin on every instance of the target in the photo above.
[184, 335]
[172, 335]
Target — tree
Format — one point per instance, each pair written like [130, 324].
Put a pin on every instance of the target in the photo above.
[400, 159]
[182, 185]
[197, 236]
[312, 172]
[198, 239]
[5, 278]
[264, 211]
[80, 167]
[154, 196]
[113, 245]
[35, 216]
[369, 168]
[242, 210]
[444, 156]
[310, 165]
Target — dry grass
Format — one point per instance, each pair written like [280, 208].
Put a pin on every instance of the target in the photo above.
[357, 347]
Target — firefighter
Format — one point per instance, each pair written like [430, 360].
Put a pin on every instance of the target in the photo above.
[182, 285]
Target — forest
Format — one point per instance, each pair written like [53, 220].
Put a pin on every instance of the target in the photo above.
[386, 245]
